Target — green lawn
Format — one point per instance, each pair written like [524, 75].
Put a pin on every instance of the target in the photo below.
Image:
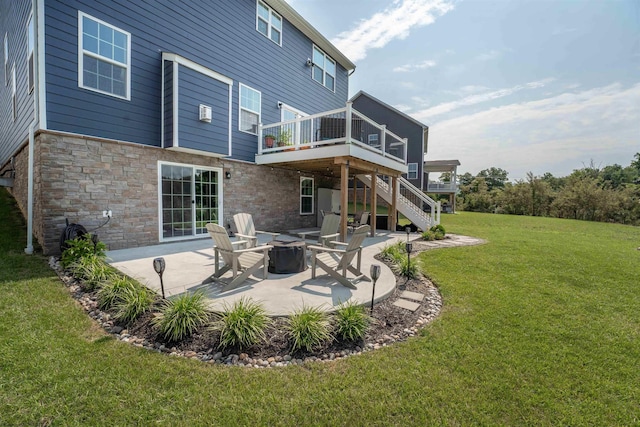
[541, 326]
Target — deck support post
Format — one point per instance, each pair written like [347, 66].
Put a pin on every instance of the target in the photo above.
[374, 204]
[394, 205]
[344, 199]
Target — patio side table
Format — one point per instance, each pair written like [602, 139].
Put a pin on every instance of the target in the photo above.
[287, 257]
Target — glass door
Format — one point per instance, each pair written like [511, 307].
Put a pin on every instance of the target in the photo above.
[190, 197]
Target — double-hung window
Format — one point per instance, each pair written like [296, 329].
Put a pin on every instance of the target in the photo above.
[250, 101]
[412, 171]
[30, 45]
[269, 23]
[104, 63]
[323, 69]
[306, 196]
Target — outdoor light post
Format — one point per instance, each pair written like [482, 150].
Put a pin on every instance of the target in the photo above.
[159, 266]
[375, 274]
[409, 248]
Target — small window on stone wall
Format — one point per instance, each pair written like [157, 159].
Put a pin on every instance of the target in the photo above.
[306, 196]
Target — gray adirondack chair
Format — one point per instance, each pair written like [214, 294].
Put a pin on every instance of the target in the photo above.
[246, 261]
[247, 231]
[337, 262]
[362, 220]
[328, 232]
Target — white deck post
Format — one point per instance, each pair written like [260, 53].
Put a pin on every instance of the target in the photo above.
[348, 118]
[383, 135]
[259, 138]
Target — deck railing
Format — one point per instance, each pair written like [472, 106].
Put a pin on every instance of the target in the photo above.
[340, 126]
[441, 186]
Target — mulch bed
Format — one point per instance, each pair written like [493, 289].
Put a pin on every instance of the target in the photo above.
[390, 324]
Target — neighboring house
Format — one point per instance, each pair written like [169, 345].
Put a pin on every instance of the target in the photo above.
[155, 111]
[401, 124]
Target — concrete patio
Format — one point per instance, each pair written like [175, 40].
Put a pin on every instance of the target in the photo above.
[190, 263]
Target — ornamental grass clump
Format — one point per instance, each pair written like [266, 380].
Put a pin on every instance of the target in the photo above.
[243, 324]
[179, 317]
[308, 328]
[351, 321]
[93, 271]
[406, 268]
[111, 292]
[133, 302]
[394, 252]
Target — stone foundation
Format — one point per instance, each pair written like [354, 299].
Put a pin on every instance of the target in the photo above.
[76, 178]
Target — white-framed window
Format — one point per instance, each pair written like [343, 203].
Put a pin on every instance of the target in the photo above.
[104, 57]
[14, 100]
[30, 47]
[412, 172]
[323, 69]
[269, 23]
[6, 59]
[250, 102]
[306, 196]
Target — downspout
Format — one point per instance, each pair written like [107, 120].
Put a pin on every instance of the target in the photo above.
[37, 8]
[29, 249]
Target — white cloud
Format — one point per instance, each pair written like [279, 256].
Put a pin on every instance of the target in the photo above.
[488, 55]
[414, 67]
[395, 22]
[555, 134]
[477, 98]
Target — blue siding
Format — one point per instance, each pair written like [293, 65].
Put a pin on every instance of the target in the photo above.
[195, 89]
[219, 35]
[398, 124]
[13, 21]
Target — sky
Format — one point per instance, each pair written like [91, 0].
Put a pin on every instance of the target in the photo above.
[527, 86]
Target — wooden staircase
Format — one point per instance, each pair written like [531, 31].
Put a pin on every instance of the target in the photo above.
[417, 207]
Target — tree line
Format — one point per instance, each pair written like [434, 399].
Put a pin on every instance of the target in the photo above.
[610, 194]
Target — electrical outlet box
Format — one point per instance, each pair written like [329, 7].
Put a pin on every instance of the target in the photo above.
[106, 214]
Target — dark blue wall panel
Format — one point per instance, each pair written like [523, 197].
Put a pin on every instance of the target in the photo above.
[219, 35]
[194, 89]
[398, 124]
[13, 22]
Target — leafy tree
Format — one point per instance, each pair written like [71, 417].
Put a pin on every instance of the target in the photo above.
[495, 177]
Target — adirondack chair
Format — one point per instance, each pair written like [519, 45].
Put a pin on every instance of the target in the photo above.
[357, 222]
[247, 231]
[336, 262]
[247, 260]
[328, 232]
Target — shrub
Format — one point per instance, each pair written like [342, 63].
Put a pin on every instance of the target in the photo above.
[438, 228]
[243, 324]
[111, 292]
[428, 235]
[407, 269]
[132, 302]
[180, 316]
[352, 321]
[82, 247]
[308, 328]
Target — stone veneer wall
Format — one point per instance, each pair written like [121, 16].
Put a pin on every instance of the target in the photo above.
[76, 178]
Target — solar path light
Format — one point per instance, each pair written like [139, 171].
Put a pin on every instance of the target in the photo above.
[375, 275]
[159, 265]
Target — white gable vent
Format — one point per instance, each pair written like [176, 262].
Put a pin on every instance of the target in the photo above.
[205, 113]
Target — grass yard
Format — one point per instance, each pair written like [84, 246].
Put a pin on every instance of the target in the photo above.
[541, 326]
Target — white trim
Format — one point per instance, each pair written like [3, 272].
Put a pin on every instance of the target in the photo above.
[195, 151]
[14, 96]
[196, 67]
[240, 108]
[82, 52]
[180, 60]
[313, 195]
[284, 106]
[269, 24]
[6, 58]
[31, 36]
[40, 67]
[192, 236]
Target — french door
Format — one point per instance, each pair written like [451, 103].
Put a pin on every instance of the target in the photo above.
[190, 197]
